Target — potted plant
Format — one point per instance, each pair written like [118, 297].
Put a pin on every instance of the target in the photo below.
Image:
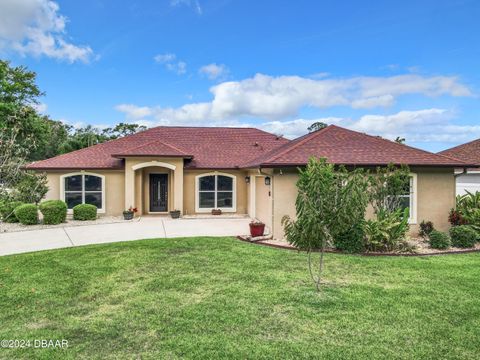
[216, 211]
[175, 214]
[128, 214]
[257, 228]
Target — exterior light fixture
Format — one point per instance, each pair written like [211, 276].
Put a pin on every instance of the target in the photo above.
[247, 179]
[267, 180]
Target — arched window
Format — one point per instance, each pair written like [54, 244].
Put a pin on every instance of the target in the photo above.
[215, 191]
[83, 188]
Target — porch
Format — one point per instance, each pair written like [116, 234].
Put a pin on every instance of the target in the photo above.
[154, 186]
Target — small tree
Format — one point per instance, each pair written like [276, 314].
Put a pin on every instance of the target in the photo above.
[329, 201]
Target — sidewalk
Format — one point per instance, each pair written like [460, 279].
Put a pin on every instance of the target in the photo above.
[145, 228]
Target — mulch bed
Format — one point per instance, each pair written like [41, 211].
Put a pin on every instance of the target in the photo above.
[423, 249]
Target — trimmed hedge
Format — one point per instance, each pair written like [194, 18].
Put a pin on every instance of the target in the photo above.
[463, 236]
[351, 241]
[84, 212]
[54, 211]
[7, 211]
[27, 214]
[439, 240]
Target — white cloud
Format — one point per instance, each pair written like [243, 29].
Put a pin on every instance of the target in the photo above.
[295, 128]
[277, 100]
[194, 4]
[170, 63]
[418, 126]
[35, 27]
[214, 71]
[133, 112]
[165, 58]
[282, 97]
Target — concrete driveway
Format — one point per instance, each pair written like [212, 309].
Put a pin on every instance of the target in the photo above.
[145, 228]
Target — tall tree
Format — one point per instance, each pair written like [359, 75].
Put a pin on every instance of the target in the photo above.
[317, 126]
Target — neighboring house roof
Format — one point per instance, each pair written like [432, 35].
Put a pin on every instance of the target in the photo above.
[207, 147]
[348, 147]
[469, 152]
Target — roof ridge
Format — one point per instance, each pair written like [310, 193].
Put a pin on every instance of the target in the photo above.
[300, 142]
[151, 142]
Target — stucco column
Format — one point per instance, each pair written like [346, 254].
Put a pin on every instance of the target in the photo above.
[178, 188]
[129, 185]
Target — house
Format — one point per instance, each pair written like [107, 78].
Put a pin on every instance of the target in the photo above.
[467, 179]
[238, 170]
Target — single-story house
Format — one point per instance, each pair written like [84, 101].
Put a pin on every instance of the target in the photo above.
[467, 179]
[237, 170]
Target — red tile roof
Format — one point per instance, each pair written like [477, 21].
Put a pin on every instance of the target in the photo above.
[469, 152]
[348, 147]
[211, 148]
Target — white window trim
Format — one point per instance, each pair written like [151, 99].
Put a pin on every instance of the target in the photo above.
[62, 189]
[413, 199]
[197, 192]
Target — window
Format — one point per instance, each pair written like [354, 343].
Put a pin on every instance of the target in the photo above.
[215, 191]
[408, 198]
[83, 189]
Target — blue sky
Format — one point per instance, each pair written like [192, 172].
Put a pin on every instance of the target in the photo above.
[390, 68]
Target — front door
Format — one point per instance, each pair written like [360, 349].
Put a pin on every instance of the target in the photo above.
[158, 192]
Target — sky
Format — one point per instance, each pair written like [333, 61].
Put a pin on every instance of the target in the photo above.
[388, 68]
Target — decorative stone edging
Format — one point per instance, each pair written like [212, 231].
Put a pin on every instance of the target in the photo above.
[288, 247]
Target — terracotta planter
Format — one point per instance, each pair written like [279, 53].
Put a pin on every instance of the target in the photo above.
[128, 215]
[216, 212]
[257, 230]
[175, 214]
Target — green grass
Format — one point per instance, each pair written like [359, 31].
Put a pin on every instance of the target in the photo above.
[221, 298]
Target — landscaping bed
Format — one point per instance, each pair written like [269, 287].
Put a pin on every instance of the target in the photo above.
[13, 227]
[419, 247]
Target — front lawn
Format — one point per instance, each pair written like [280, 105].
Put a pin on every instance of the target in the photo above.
[221, 298]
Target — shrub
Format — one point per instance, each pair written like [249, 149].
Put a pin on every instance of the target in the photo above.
[7, 210]
[439, 240]
[27, 214]
[84, 212]
[387, 232]
[54, 211]
[426, 227]
[468, 207]
[455, 218]
[463, 236]
[352, 241]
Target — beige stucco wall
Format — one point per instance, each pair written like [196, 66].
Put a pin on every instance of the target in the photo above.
[284, 196]
[189, 189]
[114, 188]
[435, 197]
[137, 181]
[263, 201]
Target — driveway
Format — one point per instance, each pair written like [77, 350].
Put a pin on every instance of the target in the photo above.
[145, 228]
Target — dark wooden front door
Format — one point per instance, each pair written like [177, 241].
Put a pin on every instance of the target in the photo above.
[158, 192]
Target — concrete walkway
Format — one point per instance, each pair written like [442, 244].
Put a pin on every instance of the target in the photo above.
[145, 228]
